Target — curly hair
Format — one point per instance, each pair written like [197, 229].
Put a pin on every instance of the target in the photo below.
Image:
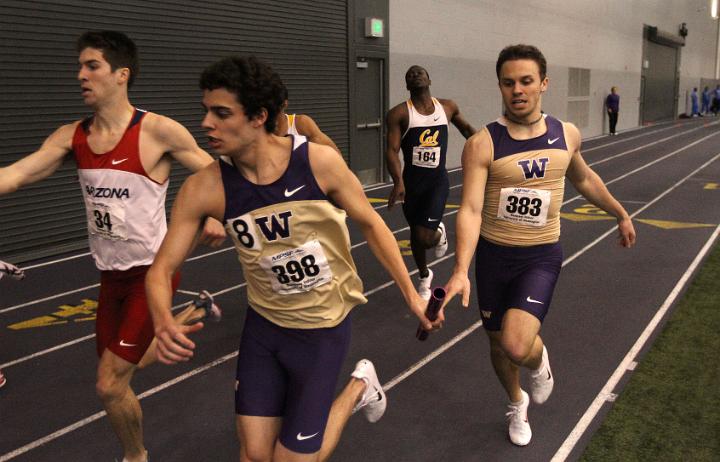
[117, 49]
[255, 84]
[515, 52]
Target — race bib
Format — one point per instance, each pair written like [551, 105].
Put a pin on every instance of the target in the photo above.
[524, 206]
[107, 221]
[297, 270]
[426, 156]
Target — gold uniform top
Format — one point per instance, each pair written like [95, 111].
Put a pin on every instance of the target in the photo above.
[525, 186]
[293, 245]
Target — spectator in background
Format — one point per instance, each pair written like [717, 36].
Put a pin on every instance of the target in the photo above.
[694, 111]
[705, 109]
[612, 105]
[716, 102]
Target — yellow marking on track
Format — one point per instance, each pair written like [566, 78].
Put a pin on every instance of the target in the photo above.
[404, 245]
[589, 209]
[376, 200]
[712, 186]
[83, 312]
[664, 224]
[452, 206]
[584, 217]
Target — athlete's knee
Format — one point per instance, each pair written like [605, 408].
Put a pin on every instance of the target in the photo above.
[516, 349]
[424, 237]
[254, 456]
[108, 387]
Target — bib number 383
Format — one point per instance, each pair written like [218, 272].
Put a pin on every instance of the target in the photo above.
[524, 206]
[297, 270]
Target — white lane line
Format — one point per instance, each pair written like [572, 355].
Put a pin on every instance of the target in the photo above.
[566, 448]
[383, 185]
[98, 415]
[420, 364]
[630, 151]
[40, 300]
[44, 352]
[632, 215]
[81, 289]
[650, 164]
[415, 367]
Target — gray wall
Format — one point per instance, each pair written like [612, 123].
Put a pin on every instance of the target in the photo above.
[458, 42]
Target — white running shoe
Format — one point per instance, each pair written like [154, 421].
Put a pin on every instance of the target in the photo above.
[424, 286]
[542, 381]
[373, 401]
[206, 301]
[3, 380]
[519, 428]
[442, 245]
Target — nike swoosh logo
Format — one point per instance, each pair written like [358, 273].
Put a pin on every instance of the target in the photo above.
[433, 219]
[532, 300]
[115, 162]
[553, 140]
[436, 119]
[290, 193]
[301, 437]
[125, 344]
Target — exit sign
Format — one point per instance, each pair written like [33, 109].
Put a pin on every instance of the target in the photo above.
[374, 27]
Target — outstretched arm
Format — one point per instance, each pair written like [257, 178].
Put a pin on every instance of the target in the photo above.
[198, 198]
[475, 162]
[40, 164]
[343, 187]
[591, 186]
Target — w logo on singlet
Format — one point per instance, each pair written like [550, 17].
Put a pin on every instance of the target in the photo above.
[533, 168]
[276, 227]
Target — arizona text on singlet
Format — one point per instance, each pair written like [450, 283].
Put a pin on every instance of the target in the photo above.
[424, 144]
[125, 208]
[525, 186]
[293, 245]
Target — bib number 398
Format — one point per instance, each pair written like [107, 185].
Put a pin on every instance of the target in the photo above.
[297, 270]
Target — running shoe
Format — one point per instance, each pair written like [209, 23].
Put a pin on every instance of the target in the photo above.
[11, 270]
[518, 425]
[424, 286]
[373, 401]
[542, 381]
[205, 301]
[442, 245]
[3, 380]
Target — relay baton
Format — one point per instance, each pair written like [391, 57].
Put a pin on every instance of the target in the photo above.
[431, 312]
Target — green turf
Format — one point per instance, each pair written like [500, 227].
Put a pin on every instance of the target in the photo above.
[670, 409]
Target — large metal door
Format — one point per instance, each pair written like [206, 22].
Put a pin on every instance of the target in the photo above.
[366, 158]
[659, 96]
[304, 40]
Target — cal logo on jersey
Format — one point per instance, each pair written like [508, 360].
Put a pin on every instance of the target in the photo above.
[534, 168]
[272, 227]
[426, 139]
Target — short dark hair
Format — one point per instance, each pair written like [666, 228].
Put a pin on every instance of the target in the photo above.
[515, 52]
[117, 49]
[255, 84]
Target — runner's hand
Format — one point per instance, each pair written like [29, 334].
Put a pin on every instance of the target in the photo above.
[626, 233]
[418, 306]
[173, 344]
[458, 283]
[11, 270]
[397, 194]
[213, 233]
